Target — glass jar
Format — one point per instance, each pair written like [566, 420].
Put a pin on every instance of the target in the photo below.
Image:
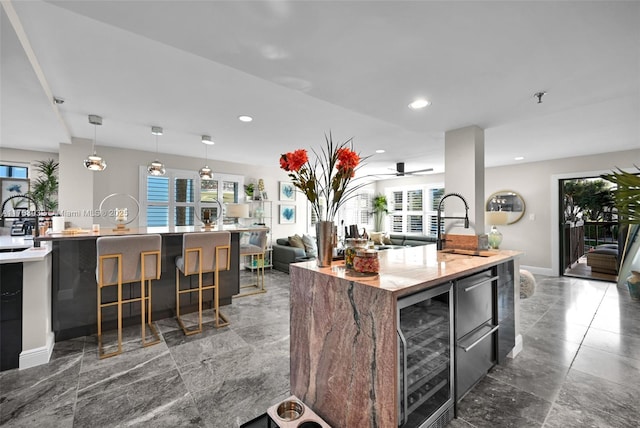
[353, 245]
[366, 261]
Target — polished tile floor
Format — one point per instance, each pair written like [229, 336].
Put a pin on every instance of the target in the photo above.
[580, 367]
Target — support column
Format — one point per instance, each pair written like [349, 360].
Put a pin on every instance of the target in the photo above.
[464, 174]
[75, 197]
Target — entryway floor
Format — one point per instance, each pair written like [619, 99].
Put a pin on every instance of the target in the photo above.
[580, 367]
[580, 269]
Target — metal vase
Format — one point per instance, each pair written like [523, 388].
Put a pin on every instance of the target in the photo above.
[325, 235]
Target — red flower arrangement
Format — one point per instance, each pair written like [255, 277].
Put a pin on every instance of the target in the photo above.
[325, 183]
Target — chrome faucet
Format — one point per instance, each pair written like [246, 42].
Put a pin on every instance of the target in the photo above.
[439, 240]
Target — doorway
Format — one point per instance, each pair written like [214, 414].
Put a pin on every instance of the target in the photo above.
[589, 229]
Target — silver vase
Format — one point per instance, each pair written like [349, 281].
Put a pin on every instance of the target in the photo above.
[325, 235]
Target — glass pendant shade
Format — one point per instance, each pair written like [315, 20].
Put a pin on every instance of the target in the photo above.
[205, 173]
[94, 162]
[156, 168]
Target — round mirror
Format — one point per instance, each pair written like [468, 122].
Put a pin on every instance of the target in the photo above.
[509, 202]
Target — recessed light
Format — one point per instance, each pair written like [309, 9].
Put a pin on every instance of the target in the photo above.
[245, 118]
[206, 139]
[379, 151]
[519, 158]
[419, 103]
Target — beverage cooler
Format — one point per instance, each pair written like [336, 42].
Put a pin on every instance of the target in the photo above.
[425, 350]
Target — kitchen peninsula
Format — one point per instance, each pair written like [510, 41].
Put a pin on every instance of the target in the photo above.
[355, 357]
[73, 281]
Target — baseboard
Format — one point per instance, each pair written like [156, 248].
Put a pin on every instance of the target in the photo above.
[539, 270]
[517, 348]
[37, 356]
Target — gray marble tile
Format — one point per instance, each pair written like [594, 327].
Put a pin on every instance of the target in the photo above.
[98, 376]
[529, 373]
[625, 346]
[563, 417]
[50, 389]
[606, 365]
[247, 363]
[252, 396]
[556, 325]
[459, 423]
[219, 342]
[550, 349]
[595, 402]
[492, 403]
[131, 340]
[68, 347]
[159, 401]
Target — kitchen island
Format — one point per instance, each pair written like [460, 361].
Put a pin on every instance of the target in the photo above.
[73, 281]
[345, 329]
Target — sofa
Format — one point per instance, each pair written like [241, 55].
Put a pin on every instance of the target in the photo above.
[284, 254]
[395, 240]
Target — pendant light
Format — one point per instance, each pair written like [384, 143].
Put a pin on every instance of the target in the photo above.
[156, 167]
[205, 171]
[94, 162]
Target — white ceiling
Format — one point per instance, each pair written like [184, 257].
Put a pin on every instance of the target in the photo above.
[303, 68]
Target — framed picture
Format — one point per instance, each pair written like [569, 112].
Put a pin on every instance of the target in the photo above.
[287, 214]
[287, 191]
[14, 187]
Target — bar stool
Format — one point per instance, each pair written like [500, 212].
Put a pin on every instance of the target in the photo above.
[122, 260]
[203, 252]
[256, 247]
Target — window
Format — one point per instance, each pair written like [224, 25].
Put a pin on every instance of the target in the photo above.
[410, 212]
[13, 171]
[180, 198]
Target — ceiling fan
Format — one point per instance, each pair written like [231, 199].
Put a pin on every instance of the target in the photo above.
[400, 171]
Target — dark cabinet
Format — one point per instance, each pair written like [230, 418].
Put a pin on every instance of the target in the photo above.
[10, 315]
[476, 327]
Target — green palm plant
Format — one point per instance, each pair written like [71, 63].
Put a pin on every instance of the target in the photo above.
[626, 195]
[380, 209]
[44, 189]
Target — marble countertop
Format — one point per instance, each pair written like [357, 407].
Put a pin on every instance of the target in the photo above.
[30, 254]
[407, 270]
[110, 231]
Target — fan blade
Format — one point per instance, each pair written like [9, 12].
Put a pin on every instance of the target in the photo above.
[419, 171]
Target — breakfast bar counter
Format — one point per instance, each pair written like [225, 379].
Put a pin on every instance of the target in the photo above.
[73, 279]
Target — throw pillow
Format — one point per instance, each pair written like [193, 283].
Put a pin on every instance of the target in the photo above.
[386, 239]
[296, 241]
[376, 237]
[310, 246]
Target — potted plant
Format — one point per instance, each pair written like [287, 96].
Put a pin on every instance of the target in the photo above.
[380, 209]
[626, 195]
[44, 189]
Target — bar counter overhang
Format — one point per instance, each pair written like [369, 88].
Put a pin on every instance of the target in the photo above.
[73, 280]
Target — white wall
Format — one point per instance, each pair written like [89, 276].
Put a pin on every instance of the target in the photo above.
[75, 192]
[537, 182]
[121, 176]
[25, 158]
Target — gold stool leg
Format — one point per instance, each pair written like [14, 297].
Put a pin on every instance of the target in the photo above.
[186, 331]
[101, 305]
[145, 302]
[259, 284]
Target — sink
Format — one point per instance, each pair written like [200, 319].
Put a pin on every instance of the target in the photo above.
[476, 253]
[13, 250]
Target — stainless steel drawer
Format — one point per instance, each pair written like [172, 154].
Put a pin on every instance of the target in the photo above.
[475, 355]
[474, 298]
